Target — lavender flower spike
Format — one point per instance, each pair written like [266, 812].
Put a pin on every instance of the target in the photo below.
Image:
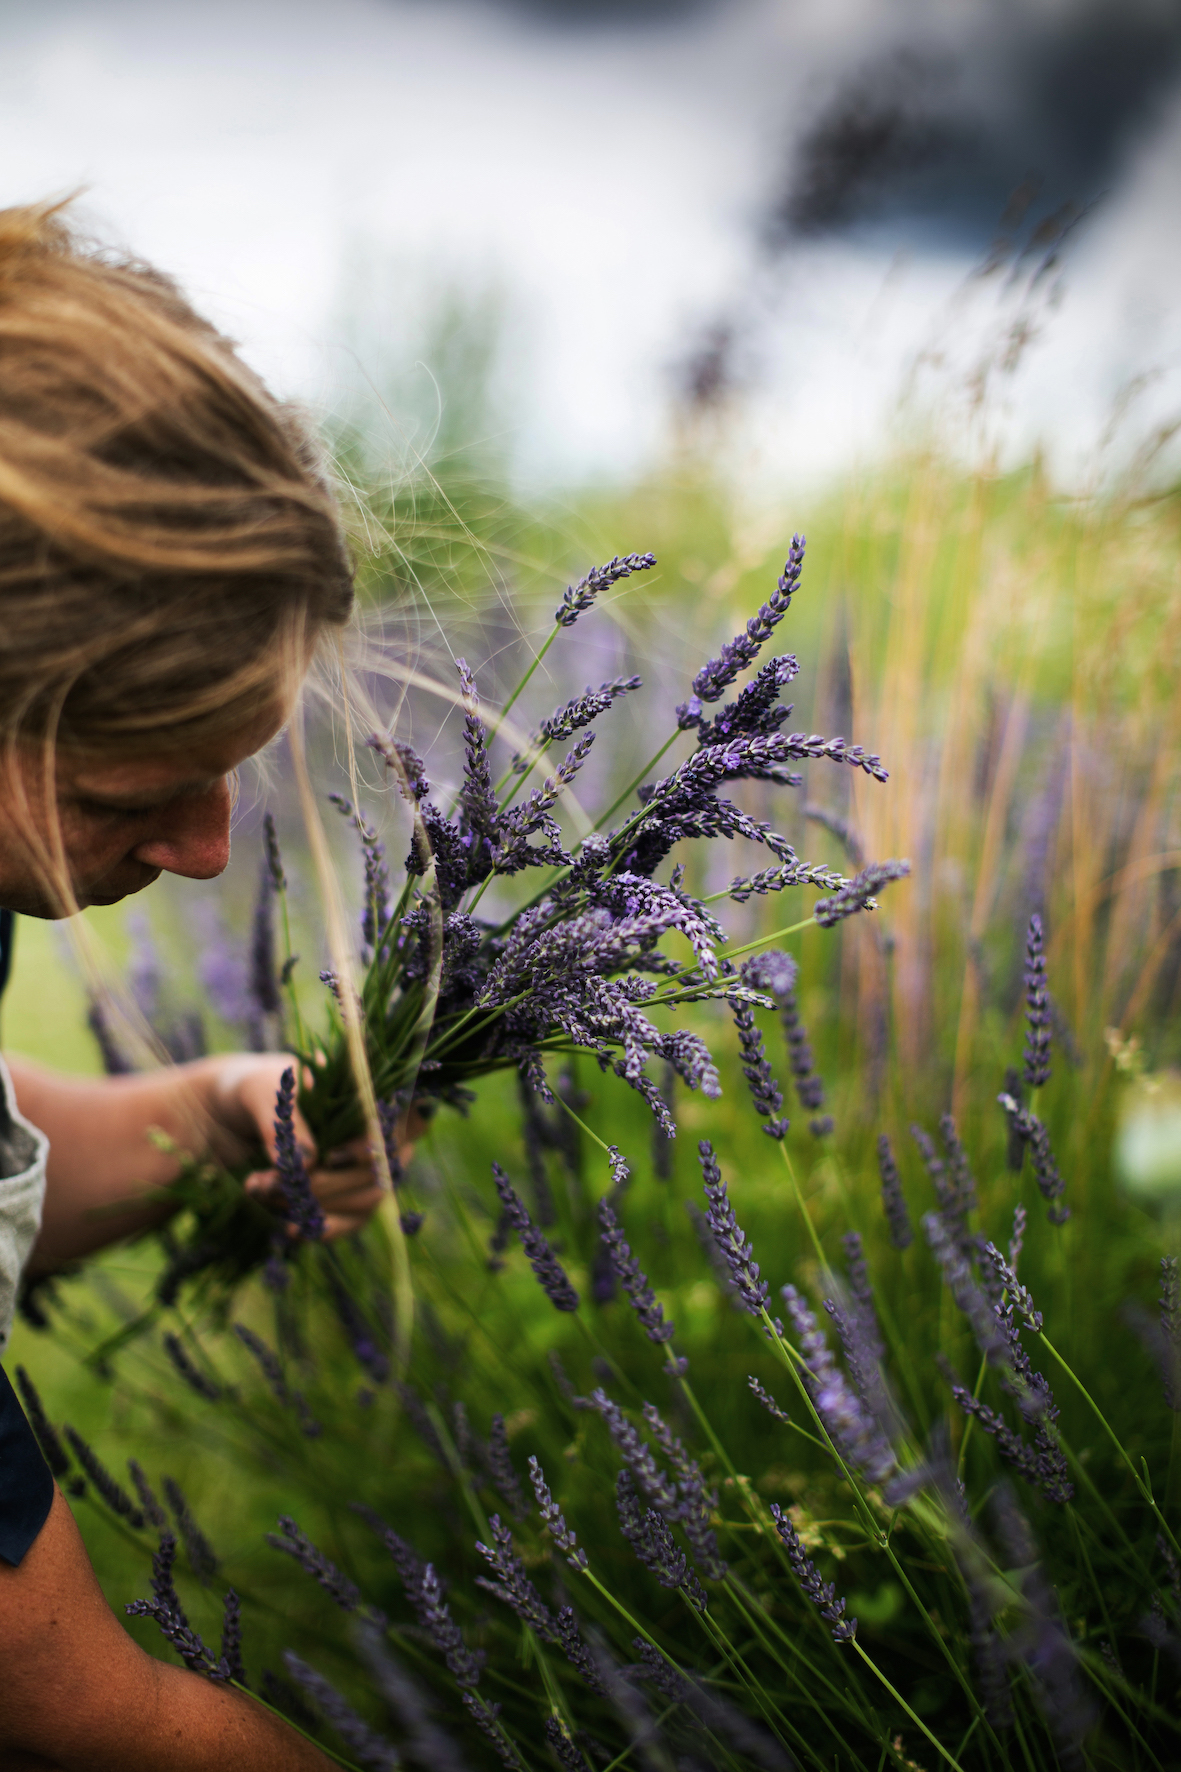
[312, 1560]
[647, 1532]
[848, 1418]
[821, 1593]
[580, 596]
[542, 1259]
[299, 1202]
[514, 1586]
[729, 1237]
[632, 1278]
[1037, 1013]
[861, 892]
[113, 1493]
[555, 1520]
[764, 1090]
[893, 1198]
[809, 1085]
[715, 677]
[1030, 1130]
[373, 1751]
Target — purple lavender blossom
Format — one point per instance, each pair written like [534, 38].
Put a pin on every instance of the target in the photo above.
[542, 1259]
[757, 708]
[715, 677]
[203, 1559]
[789, 873]
[52, 1450]
[265, 1005]
[1032, 1133]
[648, 1534]
[822, 1594]
[272, 1371]
[479, 795]
[848, 1419]
[860, 894]
[362, 1339]
[231, 1640]
[893, 1199]
[809, 1085]
[572, 716]
[1017, 1240]
[696, 1506]
[1038, 1016]
[578, 597]
[576, 1651]
[767, 1400]
[764, 1090]
[378, 903]
[153, 1512]
[632, 1278]
[997, 1335]
[169, 1614]
[113, 1493]
[1043, 1643]
[729, 1237]
[513, 1585]
[296, 1544]
[436, 1620]
[405, 1558]
[564, 1751]
[499, 1464]
[295, 1187]
[192, 1375]
[1170, 1331]
[428, 1745]
[273, 856]
[638, 1455]
[838, 827]
[115, 1061]
[371, 1750]
[555, 1520]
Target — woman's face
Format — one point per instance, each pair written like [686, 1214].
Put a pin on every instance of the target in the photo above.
[128, 817]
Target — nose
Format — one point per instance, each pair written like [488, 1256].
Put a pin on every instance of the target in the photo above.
[191, 837]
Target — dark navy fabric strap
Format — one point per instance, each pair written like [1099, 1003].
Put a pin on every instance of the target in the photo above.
[26, 1487]
[5, 948]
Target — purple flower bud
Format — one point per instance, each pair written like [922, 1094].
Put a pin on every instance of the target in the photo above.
[542, 1259]
[729, 1237]
[1038, 1016]
[580, 596]
[822, 1594]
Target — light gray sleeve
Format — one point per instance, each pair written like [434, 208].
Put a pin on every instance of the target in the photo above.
[23, 1152]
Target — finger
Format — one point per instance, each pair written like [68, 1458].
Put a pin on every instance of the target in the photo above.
[333, 1184]
[340, 1224]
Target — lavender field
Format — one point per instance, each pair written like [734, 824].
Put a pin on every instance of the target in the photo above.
[769, 1355]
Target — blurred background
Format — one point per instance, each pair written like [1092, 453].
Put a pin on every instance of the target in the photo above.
[805, 216]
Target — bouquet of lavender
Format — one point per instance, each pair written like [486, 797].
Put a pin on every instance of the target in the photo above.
[446, 996]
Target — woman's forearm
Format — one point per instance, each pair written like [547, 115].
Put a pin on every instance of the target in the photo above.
[80, 1696]
[102, 1160]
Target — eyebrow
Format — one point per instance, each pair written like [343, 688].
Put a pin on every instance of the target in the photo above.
[142, 799]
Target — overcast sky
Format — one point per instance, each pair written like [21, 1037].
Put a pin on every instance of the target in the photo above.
[312, 173]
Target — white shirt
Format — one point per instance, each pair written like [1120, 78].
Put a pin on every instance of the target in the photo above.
[21, 1199]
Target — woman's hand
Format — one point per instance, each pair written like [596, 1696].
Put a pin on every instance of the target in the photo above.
[241, 1105]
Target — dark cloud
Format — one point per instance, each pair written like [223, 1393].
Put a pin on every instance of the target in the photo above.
[939, 141]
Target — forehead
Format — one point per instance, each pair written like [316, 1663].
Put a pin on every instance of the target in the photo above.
[148, 767]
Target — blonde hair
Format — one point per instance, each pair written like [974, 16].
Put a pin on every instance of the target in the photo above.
[167, 533]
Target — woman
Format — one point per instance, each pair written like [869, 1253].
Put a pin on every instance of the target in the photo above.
[170, 561]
